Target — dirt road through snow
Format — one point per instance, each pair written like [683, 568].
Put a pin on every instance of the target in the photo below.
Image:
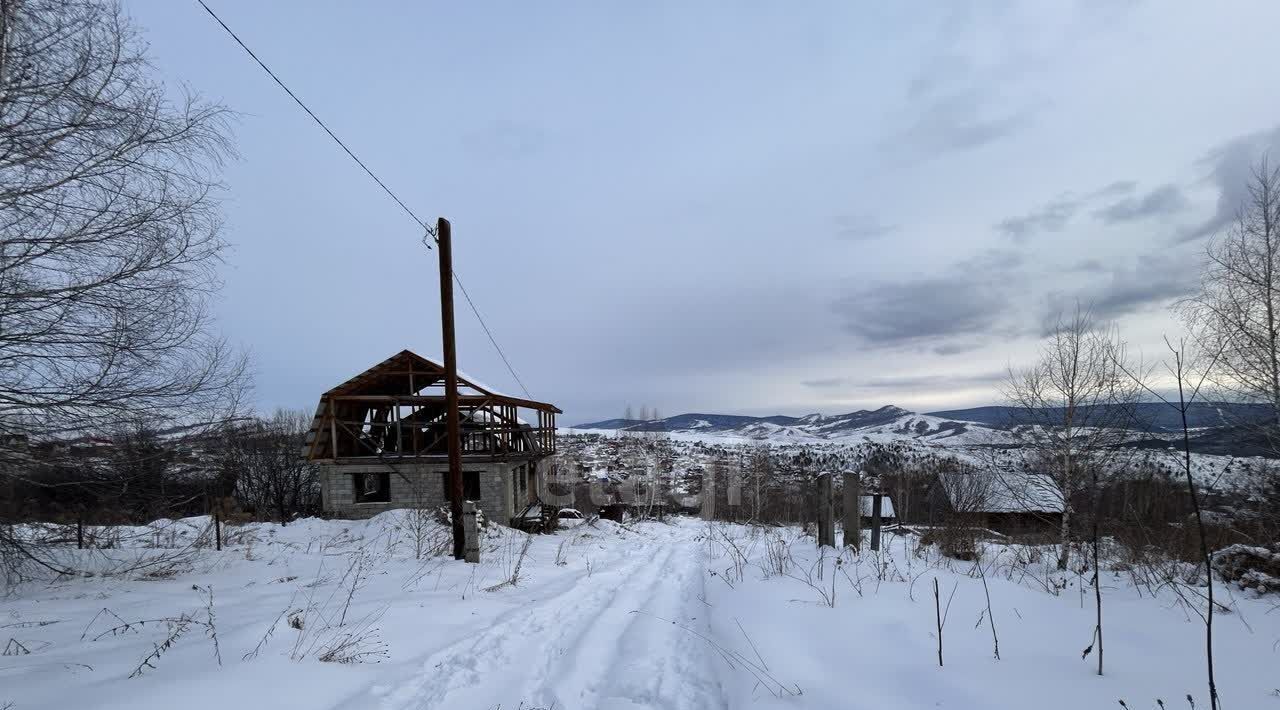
[601, 639]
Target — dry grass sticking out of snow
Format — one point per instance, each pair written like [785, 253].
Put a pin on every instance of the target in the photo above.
[684, 614]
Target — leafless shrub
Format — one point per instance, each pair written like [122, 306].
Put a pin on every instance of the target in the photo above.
[30, 624]
[363, 646]
[991, 619]
[341, 641]
[513, 578]
[812, 576]
[941, 613]
[757, 668]
[270, 479]
[270, 631]
[739, 556]
[176, 627]
[777, 554]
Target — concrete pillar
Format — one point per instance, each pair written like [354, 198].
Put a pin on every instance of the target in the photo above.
[852, 510]
[471, 532]
[826, 512]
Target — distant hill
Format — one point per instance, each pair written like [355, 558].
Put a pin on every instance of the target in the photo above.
[1155, 417]
[886, 422]
[1220, 427]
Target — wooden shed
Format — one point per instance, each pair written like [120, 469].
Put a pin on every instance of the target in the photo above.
[1004, 501]
[380, 440]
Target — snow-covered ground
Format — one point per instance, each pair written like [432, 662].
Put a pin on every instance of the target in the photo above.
[667, 615]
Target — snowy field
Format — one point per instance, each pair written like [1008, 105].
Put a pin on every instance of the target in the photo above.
[341, 614]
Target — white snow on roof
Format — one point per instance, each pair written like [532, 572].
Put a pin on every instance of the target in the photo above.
[886, 506]
[1003, 492]
[477, 384]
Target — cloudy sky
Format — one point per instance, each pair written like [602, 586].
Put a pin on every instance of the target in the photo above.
[733, 207]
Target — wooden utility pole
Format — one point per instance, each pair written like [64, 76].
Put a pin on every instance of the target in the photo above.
[452, 430]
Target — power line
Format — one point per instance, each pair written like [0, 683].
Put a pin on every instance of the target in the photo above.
[501, 354]
[425, 226]
[316, 118]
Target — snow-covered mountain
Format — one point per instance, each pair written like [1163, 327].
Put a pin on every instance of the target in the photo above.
[885, 423]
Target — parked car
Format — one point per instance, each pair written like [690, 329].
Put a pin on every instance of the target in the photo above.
[570, 517]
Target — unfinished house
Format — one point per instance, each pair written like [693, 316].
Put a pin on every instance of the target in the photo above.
[379, 439]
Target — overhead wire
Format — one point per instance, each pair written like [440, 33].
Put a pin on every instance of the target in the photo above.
[427, 228]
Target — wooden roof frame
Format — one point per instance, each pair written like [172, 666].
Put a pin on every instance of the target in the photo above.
[398, 380]
[407, 362]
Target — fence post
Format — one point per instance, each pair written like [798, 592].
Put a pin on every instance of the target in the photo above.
[217, 529]
[853, 510]
[80, 531]
[826, 513]
[709, 495]
[471, 532]
[875, 522]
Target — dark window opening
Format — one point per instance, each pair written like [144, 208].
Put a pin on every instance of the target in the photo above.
[372, 487]
[470, 485]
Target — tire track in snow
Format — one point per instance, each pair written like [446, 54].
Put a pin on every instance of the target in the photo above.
[497, 664]
[636, 657]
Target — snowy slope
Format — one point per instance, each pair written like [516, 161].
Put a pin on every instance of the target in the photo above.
[680, 615]
[883, 424]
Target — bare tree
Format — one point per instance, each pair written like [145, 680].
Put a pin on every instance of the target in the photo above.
[108, 231]
[1237, 309]
[1079, 405]
[109, 234]
[1189, 387]
[1238, 306]
[271, 478]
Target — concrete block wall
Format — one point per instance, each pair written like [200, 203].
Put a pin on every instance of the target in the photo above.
[425, 488]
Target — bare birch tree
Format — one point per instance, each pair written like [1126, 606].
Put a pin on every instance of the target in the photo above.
[1237, 310]
[1237, 313]
[1079, 404]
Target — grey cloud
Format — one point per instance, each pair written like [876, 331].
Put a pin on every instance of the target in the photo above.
[1125, 296]
[898, 313]
[917, 381]
[1119, 188]
[1230, 166]
[1123, 290]
[905, 382]
[861, 227]
[965, 120]
[1162, 201]
[970, 298]
[955, 348]
[1052, 217]
[826, 383]
[1057, 214]
[1087, 265]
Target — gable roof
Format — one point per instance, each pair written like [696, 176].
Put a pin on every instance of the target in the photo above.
[1002, 492]
[407, 372]
[406, 376]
